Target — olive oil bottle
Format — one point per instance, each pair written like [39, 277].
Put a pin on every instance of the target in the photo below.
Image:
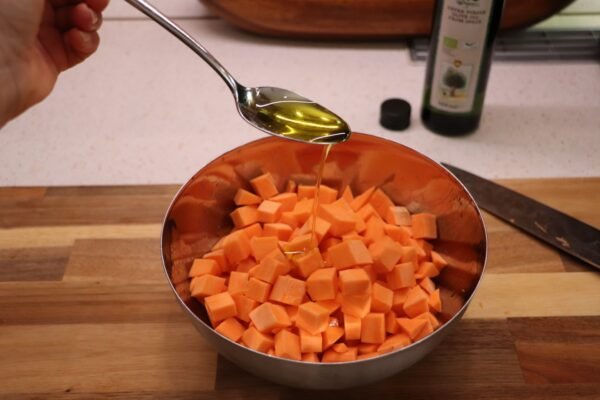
[459, 64]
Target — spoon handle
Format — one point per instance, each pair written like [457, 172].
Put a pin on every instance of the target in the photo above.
[165, 22]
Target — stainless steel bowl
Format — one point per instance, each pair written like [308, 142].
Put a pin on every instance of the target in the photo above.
[199, 215]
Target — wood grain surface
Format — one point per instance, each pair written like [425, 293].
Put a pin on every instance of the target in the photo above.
[362, 19]
[85, 312]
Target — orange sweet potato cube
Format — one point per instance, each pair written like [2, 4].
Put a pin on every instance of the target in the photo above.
[236, 247]
[310, 343]
[399, 299]
[347, 195]
[382, 298]
[244, 306]
[354, 282]
[411, 326]
[427, 284]
[322, 227]
[277, 229]
[308, 262]
[331, 356]
[373, 328]
[269, 269]
[238, 282]
[268, 317]
[288, 290]
[424, 226]
[219, 257]
[287, 345]
[394, 342]
[391, 325]
[401, 276]
[207, 285]
[357, 306]
[258, 290]
[340, 219]
[352, 327]
[322, 284]
[417, 302]
[435, 301]
[256, 340]
[385, 253]
[374, 231]
[231, 328]
[312, 317]
[246, 198]
[202, 266]
[261, 246]
[380, 202]
[220, 306]
[289, 218]
[400, 234]
[288, 200]
[244, 216]
[264, 186]
[303, 210]
[269, 211]
[362, 199]
[253, 230]
[399, 216]
[331, 335]
[426, 269]
[349, 254]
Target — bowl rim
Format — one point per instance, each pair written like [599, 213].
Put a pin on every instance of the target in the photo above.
[395, 352]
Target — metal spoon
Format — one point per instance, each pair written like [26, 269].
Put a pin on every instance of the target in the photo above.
[275, 111]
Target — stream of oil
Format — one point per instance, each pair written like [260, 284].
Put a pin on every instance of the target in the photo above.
[314, 241]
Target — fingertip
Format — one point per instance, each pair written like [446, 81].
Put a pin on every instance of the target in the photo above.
[85, 18]
[82, 44]
[97, 5]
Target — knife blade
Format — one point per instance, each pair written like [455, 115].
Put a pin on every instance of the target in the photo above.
[539, 220]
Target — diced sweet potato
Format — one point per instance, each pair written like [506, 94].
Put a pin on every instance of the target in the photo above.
[238, 282]
[236, 247]
[331, 335]
[288, 201]
[398, 216]
[382, 298]
[312, 317]
[401, 276]
[385, 253]
[207, 285]
[349, 254]
[219, 307]
[362, 199]
[264, 186]
[204, 267]
[258, 290]
[244, 305]
[308, 262]
[394, 342]
[373, 328]
[269, 211]
[231, 329]
[380, 202]
[244, 216]
[424, 226]
[246, 198]
[287, 345]
[288, 290]
[310, 343]
[322, 284]
[268, 317]
[256, 340]
[417, 302]
[352, 327]
[354, 282]
[261, 246]
[279, 230]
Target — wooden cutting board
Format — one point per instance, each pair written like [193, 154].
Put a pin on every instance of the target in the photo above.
[85, 312]
[358, 19]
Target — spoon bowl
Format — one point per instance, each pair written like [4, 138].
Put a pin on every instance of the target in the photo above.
[276, 111]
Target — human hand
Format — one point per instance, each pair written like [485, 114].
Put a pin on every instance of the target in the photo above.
[38, 40]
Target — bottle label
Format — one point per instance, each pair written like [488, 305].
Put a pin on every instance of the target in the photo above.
[461, 42]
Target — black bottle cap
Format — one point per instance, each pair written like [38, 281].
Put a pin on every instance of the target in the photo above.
[395, 114]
